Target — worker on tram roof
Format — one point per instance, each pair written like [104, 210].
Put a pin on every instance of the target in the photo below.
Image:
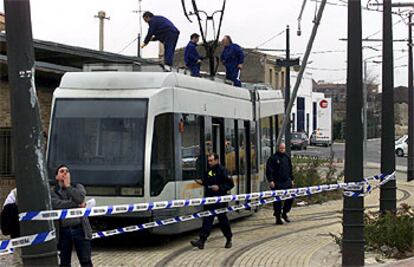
[192, 58]
[163, 30]
[232, 58]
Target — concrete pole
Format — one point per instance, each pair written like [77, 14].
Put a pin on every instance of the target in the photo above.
[286, 117]
[31, 174]
[101, 16]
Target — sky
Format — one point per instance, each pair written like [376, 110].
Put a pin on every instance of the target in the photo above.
[248, 22]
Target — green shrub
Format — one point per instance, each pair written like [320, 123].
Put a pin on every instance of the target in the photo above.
[389, 232]
[314, 171]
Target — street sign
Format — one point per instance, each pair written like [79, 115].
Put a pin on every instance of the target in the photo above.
[323, 103]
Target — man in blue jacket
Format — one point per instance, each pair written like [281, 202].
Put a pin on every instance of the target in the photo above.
[217, 183]
[279, 176]
[163, 30]
[233, 58]
[192, 58]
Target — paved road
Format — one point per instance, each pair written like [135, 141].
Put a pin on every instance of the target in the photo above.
[257, 241]
[373, 152]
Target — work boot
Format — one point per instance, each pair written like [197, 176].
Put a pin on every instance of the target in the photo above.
[285, 217]
[228, 243]
[198, 243]
[278, 220]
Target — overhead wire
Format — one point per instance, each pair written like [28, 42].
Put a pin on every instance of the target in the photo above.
[128, 45]
[270, 39]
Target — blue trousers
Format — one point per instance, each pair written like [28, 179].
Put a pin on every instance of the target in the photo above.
[169, 48]
[232, 75]
[195, 70]
[224, 223]
[74, 236]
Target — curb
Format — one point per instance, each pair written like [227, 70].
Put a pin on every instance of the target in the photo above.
[374, 165]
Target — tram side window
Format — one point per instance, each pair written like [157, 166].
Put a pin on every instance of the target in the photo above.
[242, 148]
[253, 146]
[162, 157]
[267, 135]
[231, 145]
[190, 147]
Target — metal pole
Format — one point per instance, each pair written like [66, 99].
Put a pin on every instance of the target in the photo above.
[388, 191]
[288, 136]
[31, 177]
[353, 209]
[365, 111]
[410, 160]
[139, 45]
[286, 117]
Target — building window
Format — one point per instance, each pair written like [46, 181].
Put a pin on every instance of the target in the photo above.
[270, 76]
[277, 85]
[300, 114]
[6, 153]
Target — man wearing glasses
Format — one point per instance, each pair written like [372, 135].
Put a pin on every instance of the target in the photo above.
[217, 183]
[72, 232]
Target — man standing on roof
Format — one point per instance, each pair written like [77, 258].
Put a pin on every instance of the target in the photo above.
[192, 58]
[163, 30]
[232, 58]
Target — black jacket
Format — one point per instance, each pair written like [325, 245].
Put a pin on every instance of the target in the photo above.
[279, 170]
[10, 220]
[217, 176]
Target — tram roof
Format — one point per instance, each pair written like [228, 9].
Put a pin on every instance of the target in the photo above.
[147, 80]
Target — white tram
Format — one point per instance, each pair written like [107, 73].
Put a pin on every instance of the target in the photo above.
[133, 137]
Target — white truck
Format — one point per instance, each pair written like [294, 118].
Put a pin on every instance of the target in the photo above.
[322, 134]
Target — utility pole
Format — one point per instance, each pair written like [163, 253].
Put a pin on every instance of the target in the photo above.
[388, 190]
[31, 178]
[287, 63]
[139, 11]
[353, 210]
[101, 16]
[410, 160]
[286, 116]
[364, 110]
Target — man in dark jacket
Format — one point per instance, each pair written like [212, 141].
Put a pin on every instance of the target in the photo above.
[163, 30]
[232, 58]
[192, 58]
[10, 215]
[279, 176]
[217, 183]
[72, 232]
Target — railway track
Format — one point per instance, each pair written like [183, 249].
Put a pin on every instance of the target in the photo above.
[330, 216]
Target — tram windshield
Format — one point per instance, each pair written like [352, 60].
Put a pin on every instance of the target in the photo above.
[101, 141]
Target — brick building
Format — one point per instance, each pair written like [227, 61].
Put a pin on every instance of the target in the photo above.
[52, 61]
